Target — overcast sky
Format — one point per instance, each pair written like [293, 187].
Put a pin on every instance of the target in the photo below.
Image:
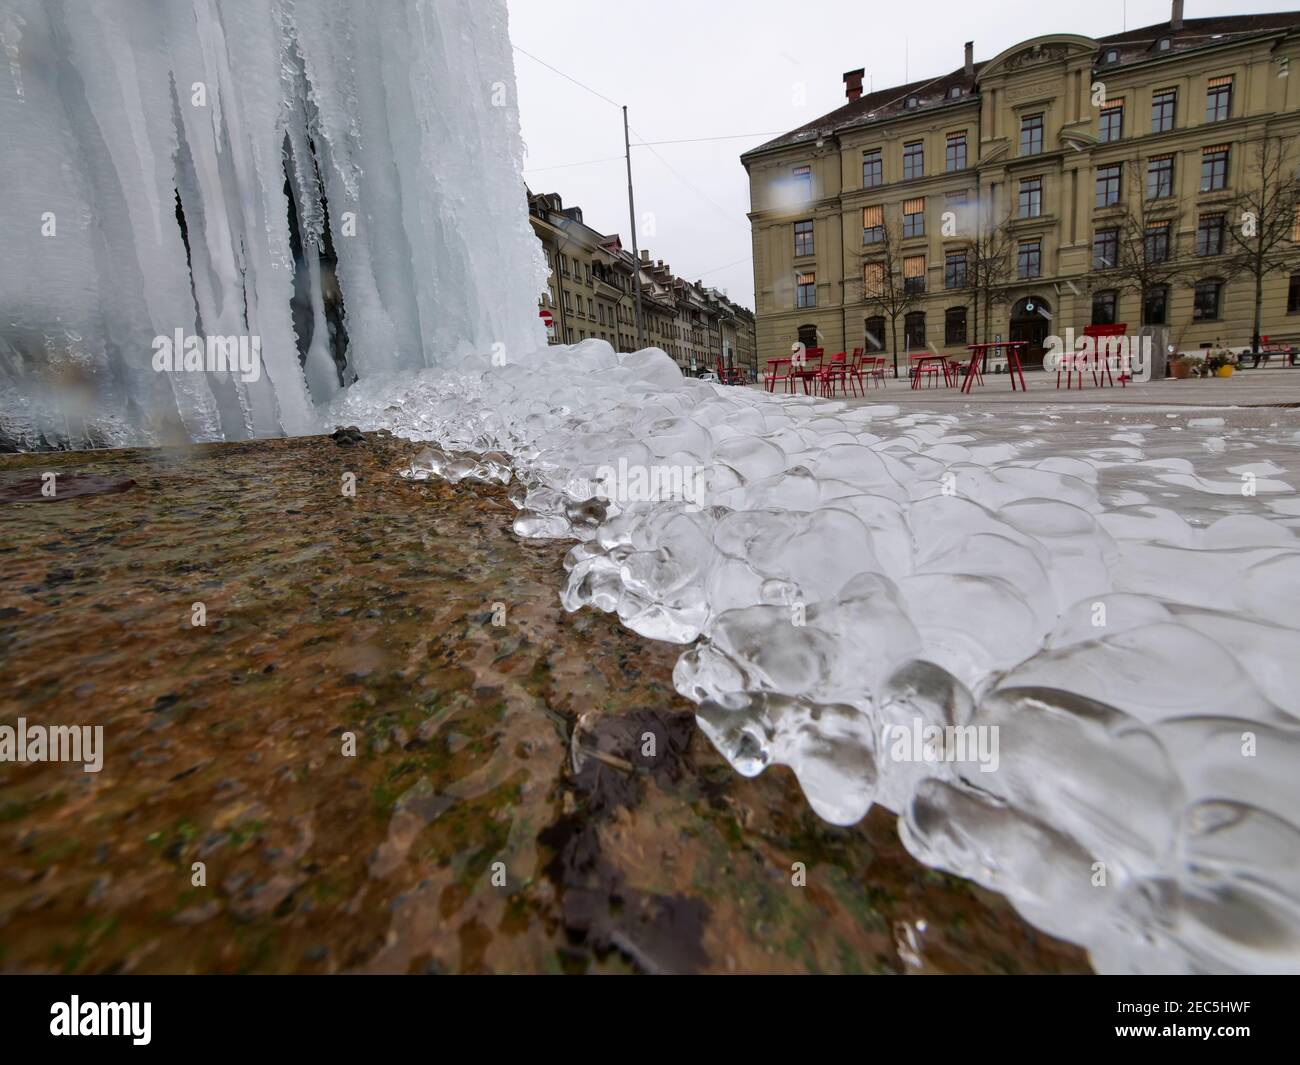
[747, 70]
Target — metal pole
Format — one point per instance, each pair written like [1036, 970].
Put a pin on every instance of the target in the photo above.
[636, 253]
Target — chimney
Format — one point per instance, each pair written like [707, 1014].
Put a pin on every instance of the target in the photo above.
[853, 83]
[970, 59]
[645, 256]
[1176, 17]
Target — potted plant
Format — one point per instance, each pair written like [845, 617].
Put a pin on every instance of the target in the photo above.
[1212, 363]
[1181, 368]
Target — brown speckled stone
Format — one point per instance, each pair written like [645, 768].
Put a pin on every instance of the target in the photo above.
[476, 744]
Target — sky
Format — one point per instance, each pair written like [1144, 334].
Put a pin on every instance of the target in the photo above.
[744, 70]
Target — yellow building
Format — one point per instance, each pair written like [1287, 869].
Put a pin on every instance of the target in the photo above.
[1050, 154]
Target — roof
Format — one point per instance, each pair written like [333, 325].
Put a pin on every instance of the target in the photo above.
[1134, 46]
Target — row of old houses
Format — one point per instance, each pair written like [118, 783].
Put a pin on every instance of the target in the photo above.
[1148, 177]
[591, 292]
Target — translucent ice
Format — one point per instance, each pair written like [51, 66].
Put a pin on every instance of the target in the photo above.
[866, 591]
[338, 178]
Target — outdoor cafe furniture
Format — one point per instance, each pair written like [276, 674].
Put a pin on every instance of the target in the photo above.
[930, 366]
[1011, 348]
[834, 371]
[777, 369]
[808, 370]
[730, 375]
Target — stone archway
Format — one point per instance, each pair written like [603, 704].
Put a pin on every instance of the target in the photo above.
[1030, 323]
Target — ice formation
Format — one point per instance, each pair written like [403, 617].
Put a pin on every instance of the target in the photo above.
[338, 178]
[1123, 624]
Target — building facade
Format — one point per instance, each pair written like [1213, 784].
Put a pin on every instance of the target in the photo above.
[1002, 195]
[591, 292]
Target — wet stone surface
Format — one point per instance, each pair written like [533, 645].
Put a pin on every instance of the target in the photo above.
[528, 793]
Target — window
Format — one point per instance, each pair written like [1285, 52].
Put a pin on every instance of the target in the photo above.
[1112, 121]
[914, 217]
[1105, 249]
[1155, 305]
[1164, 44]
[954, 270]
[1295, 223]
[873, 279]
[1031, 134]
[803, 238]
[1103, 308]
[1214, 167]
[1108, 185]
[913, 160]
[956, 154]
[1031, 197]
[872, 171]
[591, 308]
[600, 312]
[1160, 177]
[1156, 244]
[956, 202]
[913, 101]
[954, 326]
[567, 305]
[1029, 260]
[954, 93]
[1218, 99]
[1293, 295]
[914, 274]
[873, 225]
[1111, 56]
[803, 182]
[564, 265]
[1205, 306]
[806, 290]
[914, 330]
[875, 333]
[1209, 234]
[1164, 105]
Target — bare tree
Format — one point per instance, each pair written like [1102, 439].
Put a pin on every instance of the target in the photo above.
[1147, 255]
[884, 287]
[990, 265]
[1261, 221]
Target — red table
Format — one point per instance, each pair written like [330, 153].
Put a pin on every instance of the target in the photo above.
[979, 351]
[773, 374]
[920, 363]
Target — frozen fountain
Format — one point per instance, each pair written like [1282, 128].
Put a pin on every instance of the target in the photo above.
[339, 179]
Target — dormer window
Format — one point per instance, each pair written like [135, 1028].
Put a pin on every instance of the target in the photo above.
[912, 101]
[954, 93]
[1111, 56]
[1164, 44]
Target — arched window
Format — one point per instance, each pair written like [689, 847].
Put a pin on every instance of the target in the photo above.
[914, 330]
[1208, 300]
[954, 326]
[1104, 307]
[1155, 305]
[875, 333]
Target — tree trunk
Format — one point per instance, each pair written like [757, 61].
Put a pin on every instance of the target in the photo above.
[1259, 303]
[893, 342]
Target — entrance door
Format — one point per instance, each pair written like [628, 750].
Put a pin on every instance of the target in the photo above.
[1030, 324]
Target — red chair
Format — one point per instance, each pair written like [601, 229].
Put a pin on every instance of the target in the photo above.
[835, 371]
[730, 375]
[874, 367]
[810, 371]
[853, 374]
